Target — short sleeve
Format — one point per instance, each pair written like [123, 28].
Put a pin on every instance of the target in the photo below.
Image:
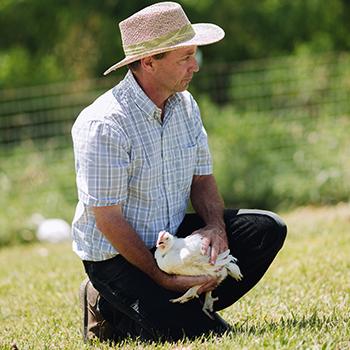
[204, 161]
[102, 162]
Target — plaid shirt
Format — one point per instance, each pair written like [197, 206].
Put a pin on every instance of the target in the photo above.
[125, 155]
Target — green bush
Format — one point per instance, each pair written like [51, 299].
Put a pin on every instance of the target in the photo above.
[260, 160]
[34, 180]
[273, 162]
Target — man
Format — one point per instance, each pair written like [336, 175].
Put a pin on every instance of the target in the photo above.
[141, 153]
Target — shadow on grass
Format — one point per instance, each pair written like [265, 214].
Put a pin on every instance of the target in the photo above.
[312, 322]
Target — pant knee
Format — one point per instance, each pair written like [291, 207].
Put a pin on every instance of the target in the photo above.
[279, 226]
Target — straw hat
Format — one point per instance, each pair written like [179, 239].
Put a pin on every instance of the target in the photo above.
[159, 28]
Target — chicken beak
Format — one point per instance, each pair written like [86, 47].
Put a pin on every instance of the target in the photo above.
[160, 242]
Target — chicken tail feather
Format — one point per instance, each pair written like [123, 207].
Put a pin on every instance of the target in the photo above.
[234, 271]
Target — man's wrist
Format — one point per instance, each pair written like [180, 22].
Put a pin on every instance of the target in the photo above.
[219, 227]
[158, 276]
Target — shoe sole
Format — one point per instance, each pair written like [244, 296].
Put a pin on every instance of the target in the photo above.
[84, 306]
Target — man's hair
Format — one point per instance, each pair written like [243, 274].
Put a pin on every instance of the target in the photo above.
[134, 66]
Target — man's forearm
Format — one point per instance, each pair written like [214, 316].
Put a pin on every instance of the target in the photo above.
[124, 238]
[206, 200]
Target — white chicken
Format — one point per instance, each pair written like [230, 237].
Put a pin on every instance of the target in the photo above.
[183, 256]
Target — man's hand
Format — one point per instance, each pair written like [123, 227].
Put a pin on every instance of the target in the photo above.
[209, 205]
[214, 241]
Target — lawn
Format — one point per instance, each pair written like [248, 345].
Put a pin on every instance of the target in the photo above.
[301, 303]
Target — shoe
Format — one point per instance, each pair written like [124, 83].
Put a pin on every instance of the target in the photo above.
[221, 326]
[94, 325]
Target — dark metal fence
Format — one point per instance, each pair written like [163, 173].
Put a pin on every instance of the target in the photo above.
[285, 87]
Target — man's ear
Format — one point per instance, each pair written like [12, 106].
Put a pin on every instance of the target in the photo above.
[147, 64]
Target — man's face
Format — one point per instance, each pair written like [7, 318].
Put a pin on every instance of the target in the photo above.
[175, 70]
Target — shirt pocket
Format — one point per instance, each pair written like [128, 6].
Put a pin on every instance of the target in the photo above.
[144, 177]
[184, 162]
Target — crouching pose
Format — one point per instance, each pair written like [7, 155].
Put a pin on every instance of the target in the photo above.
[141, 153]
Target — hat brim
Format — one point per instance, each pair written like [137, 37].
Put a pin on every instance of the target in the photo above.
[205, 34]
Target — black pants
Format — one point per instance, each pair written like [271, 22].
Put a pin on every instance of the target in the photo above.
[138, 307]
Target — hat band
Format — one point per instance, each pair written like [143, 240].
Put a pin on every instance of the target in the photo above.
[173, 38]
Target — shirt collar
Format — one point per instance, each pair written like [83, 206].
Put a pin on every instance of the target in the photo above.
[144, 102]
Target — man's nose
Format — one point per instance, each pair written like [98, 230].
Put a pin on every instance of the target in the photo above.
[194, 65]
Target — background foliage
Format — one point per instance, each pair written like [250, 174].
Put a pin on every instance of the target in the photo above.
[70, 40]
[274, 96]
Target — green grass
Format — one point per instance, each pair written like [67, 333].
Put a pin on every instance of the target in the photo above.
[301, 303]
